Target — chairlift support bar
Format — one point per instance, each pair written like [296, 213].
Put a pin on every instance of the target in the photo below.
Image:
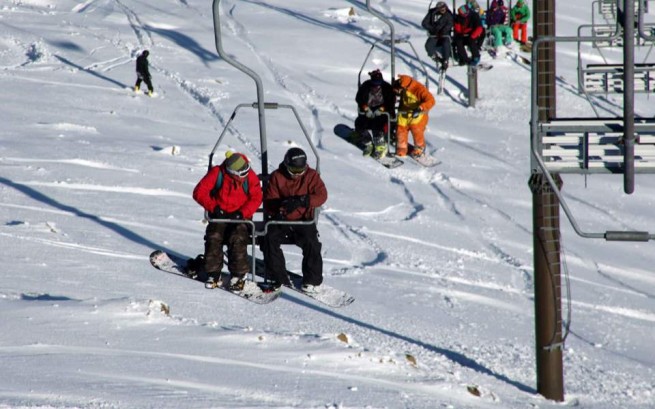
[267, 105]
[392, 32]
[391, 43]
[387, 43]
[252, 74]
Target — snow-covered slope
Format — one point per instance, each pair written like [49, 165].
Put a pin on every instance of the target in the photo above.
[94, 177]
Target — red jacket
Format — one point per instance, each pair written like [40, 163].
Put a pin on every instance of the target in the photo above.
[281, 186]
[468, 25]
[232, 195]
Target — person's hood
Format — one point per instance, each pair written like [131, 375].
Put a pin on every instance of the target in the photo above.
[404, 80]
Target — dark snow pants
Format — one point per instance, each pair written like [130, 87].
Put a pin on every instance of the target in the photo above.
[378, 125]
[303, 236]
[144, 78]
[461, 42]
[235, 236]
[438, 48]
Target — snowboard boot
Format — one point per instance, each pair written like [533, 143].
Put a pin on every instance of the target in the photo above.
[417, 152]
[380, 151]
[136, 88]
[213, 281]
[310, 289]
[194, 266]
[150, 93]
[237, 283]
[380, 147]
[444, 65]
[368, 149]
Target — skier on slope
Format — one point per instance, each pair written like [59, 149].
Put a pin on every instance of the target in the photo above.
[230, 191]
[439, 24]
[415, 102]
[374, 98]
[143, 73]
[294, 190]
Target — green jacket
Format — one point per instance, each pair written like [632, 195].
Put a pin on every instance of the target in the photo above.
[519, 14]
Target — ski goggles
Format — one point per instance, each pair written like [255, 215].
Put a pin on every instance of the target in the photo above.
[296, 171]
[240, 173]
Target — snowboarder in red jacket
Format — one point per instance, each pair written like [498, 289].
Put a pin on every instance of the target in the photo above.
[294, 190]
[468, 33]
[230, 191]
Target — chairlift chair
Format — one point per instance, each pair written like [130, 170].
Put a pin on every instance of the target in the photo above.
[258, 228]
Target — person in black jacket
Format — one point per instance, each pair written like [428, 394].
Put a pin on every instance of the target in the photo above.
[143, 73]
[439, 24]
[374, 98]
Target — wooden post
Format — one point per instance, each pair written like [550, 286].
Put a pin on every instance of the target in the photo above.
[546, 229]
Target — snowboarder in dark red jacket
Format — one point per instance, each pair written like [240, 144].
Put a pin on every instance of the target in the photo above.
[230, 191]
[294, 190]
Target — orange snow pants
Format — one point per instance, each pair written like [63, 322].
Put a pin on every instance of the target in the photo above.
[523, 28]
[417, 127]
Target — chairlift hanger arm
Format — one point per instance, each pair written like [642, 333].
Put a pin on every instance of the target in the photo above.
[252, 74]
[392, 33]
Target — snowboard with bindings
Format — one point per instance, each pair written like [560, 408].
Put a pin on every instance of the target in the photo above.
[325, 294]
[176, 265]
[141, 92]
[348, 134]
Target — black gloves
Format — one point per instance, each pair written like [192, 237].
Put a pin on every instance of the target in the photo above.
[235, 215]
[219, 213]
[416, 112]
[291, 203]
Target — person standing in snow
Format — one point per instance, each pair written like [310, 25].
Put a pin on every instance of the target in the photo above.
[143, 73]
[519, 16]
[496, 19]
[374, 98]
[439, 24]
[415, 102]
[294, 190]
[230, 191]
[468, 33]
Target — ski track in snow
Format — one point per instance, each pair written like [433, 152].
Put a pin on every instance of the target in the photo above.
[78, 162]
[43, 209]
[112, 189]
[145, 40]
[82, 7]
[428, 390]
[77, 246]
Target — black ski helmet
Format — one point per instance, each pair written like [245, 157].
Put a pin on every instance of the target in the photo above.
[295, 160]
